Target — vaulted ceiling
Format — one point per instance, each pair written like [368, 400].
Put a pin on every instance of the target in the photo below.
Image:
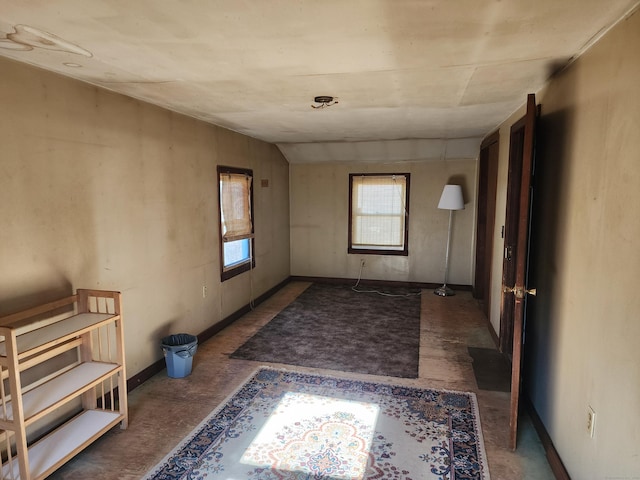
[413, 79]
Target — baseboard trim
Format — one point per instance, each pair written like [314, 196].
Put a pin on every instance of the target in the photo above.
[156, 367]
[145, 374]
[225, 322]
[493, 334]
[380, 283]
[555, 462]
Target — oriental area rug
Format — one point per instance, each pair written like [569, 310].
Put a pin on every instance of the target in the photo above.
[286, 425]
[334, 327]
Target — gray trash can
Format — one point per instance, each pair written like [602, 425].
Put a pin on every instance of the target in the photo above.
[178, 351]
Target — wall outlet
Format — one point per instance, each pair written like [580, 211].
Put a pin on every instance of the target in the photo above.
[591, 421]
[204, 291]
[362, 262]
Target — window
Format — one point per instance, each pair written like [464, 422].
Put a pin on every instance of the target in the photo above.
[379, 213]
[236, 221]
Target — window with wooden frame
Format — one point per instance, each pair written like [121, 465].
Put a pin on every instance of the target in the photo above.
[379, 213]
[236, 221]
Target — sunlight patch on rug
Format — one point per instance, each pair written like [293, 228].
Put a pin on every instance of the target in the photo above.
[287, 425]
[315, 435]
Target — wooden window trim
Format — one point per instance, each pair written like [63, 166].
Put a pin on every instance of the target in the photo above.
[364, 251]
[243, 267]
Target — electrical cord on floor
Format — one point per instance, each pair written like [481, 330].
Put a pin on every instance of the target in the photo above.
[355, 288]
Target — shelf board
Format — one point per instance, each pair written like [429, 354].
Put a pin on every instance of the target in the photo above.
[50, 395]
[56, 333]
[52, 451]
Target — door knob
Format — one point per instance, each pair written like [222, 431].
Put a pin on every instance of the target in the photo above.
[519, 292]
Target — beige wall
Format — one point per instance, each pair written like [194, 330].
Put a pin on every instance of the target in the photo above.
[583, 328]
[319, 220]
[101, 191]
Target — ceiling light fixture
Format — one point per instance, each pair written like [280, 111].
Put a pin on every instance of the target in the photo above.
[324, 101]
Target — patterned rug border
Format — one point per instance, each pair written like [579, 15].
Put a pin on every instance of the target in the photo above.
[152, 473]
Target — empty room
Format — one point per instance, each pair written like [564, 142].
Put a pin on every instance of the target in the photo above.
[319, 240]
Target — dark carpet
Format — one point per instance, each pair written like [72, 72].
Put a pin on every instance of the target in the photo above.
[491, 370]
[333, 327]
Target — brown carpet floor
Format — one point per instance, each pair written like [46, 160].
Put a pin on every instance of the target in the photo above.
[334, 327]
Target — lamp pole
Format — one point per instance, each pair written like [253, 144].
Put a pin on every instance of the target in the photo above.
[451, 200]
[444, 290]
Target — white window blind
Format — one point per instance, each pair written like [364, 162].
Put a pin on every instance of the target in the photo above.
[378, 211]
[235, 206]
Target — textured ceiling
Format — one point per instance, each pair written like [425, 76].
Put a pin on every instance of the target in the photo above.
[432, 77]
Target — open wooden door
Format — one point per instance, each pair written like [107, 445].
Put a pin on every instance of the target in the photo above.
[516, 253]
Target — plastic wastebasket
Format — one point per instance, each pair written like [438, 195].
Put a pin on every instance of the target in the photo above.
[178, 351]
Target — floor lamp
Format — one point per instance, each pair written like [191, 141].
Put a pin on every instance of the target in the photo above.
[451, 200]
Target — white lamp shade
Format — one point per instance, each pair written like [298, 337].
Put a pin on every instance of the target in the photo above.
[451, 198]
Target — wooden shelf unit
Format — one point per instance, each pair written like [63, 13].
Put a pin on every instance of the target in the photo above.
[88, 323]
